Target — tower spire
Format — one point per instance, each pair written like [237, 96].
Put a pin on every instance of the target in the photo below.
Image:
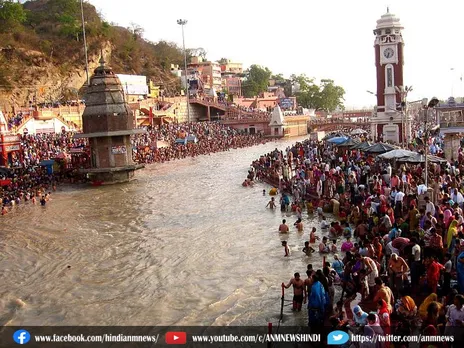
[388, 9]
[102, 58]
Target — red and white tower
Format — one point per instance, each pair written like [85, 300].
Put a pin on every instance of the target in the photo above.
[388, 121]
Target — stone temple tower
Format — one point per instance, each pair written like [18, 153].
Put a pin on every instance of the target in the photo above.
[108, 123]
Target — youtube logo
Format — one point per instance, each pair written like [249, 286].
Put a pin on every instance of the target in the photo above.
[176, 337]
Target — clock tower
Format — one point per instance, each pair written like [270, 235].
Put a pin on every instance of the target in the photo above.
[387, 121]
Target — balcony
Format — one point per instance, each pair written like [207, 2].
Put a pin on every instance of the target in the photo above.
[452, 121]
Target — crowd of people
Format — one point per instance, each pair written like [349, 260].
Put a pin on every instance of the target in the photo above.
[28, 177]
[401, 244]
[206, 138]
[15, 120]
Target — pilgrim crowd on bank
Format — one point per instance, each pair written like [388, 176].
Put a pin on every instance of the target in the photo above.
[393, 245]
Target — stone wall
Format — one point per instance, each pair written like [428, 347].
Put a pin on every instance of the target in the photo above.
[196, 112]
[451, 146]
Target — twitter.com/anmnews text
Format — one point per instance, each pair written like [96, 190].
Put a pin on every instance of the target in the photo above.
[341, 337]
[402, 339]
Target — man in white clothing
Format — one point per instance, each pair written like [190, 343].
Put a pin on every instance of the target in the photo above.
[399, 203]
[457, 197]
[429, 206]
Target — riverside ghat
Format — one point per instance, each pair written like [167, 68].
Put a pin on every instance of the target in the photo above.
[387, 221]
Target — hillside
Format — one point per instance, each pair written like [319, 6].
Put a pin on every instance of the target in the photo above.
[42, 51]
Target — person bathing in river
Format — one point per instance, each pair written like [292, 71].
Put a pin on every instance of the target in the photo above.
[283, 228]
[271, 204]
[323, 247]
[299, 225]
[324, 224]
[312, 236]
[310, 207]
[308, 250]
[299, 292]
[286, 248]
[333, 247]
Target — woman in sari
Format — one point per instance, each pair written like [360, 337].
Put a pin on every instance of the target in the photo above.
[316, 304]
[384, 315]
[407, 307]
[423, 308]
[433, 273]
[391, 213]
[432, 315]
[451, 236]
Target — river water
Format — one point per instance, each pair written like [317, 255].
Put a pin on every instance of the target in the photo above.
[184, 244]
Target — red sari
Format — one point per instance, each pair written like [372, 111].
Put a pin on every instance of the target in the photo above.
[384, 317]
[433, 275]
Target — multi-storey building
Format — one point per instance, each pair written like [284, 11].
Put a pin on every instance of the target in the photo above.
[208, 72]
[232, 68]
[231, 79]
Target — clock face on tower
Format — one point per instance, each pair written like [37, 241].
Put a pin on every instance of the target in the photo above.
[388, 53]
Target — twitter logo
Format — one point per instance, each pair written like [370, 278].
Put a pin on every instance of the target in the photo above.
[337, 337]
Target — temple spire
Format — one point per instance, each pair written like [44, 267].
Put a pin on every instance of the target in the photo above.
[102, 59]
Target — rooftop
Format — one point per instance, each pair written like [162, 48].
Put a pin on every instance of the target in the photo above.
[389, 20]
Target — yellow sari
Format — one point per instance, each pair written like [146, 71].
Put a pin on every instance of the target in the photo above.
[423, 307]
[452, 232]
[408, 303]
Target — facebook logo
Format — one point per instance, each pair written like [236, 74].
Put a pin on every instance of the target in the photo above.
[21, 336]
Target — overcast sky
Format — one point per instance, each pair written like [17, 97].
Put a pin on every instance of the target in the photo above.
[322, 39]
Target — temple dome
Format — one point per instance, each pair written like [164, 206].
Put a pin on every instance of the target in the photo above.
[389, 20]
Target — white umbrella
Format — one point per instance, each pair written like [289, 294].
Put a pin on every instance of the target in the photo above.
[358, 131]
[398, 153]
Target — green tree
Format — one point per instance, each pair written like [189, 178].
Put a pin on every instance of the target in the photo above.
[69, 26]
[67, 14]
[332, 96]
[308, 94]
[168, 53]
[257, 81]
[278, 77]
[327, 96]
[12, 14]
[222, 61]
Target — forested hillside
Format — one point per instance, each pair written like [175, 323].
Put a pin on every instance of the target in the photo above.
[42, 51]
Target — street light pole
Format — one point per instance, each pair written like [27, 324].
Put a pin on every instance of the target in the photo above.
[183, 22]
[431, 105]
[426, 143]
[85, 44]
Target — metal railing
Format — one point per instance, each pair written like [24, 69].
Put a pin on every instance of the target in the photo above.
[452, 119]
